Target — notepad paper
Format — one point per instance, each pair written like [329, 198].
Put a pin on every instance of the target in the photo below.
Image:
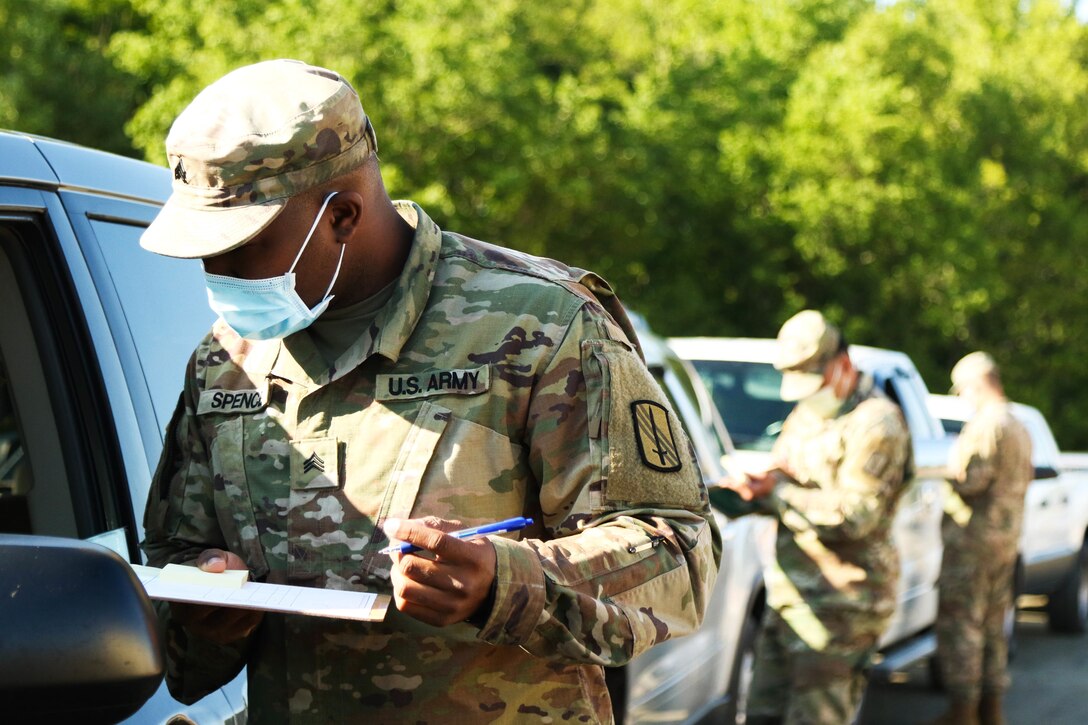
[179, 574]
[230, 592]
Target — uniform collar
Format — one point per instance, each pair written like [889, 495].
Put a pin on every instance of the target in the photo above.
[297, 359]
[865, 389]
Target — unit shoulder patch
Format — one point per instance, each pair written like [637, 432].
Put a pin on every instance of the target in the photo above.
[654, 436]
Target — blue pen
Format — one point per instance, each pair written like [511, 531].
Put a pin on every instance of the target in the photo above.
[499, 527]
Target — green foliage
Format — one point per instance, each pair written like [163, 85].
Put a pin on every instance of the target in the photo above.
[55, 77]
[932, 167]
[916, 168]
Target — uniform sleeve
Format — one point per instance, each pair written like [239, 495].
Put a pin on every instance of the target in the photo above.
[179, 523]
[631, 551]
[976, 455]
[850, 508]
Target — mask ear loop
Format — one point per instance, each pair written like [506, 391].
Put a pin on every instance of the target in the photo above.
[306, 241]
[343, 248]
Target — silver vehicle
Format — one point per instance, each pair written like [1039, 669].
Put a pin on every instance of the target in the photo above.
[94, 337]
[701, 677]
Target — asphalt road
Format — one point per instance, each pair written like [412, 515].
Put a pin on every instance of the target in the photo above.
[1049, 675]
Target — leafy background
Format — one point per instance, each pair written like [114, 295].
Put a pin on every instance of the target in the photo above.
[917, 169]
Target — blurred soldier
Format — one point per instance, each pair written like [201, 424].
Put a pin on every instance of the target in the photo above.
[839, 467]
[989, 471]
[374, 377]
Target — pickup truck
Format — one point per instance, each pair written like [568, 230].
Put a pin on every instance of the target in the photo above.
[746, 390]
[1053, 559]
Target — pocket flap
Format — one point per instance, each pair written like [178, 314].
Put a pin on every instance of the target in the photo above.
[315, 463]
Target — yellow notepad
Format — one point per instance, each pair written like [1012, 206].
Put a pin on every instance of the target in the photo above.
[181, 574]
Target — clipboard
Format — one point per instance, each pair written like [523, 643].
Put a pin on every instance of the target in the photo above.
[193, 586]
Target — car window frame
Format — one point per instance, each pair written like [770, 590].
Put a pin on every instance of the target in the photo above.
[93, 466]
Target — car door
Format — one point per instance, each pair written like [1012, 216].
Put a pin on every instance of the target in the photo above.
[1047, 500]
[917, 528]
[77, 425]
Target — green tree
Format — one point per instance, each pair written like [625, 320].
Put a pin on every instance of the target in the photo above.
[932, 168]
[629, 136]
[916, 168]
[55, 77]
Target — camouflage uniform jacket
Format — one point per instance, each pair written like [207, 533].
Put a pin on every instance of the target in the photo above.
[493, 384]
[834, 550]
[991, 467]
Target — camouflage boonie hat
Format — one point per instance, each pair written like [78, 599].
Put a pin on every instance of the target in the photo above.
[972, 366]
[806, 342]
[247, 143]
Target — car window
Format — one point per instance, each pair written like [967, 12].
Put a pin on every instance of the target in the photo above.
[164, 305]
[904, 391]
[952, 427]
[35, 497]
[749, 398]
[16, 478]
[705, 422]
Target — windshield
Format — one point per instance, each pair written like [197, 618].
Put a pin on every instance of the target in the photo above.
[747, 395]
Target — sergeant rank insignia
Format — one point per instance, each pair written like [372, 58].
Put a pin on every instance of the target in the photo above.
[313, 463]
[653, 433]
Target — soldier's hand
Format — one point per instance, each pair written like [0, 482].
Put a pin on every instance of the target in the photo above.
[221, 625]
[757, 485]
[446, 582]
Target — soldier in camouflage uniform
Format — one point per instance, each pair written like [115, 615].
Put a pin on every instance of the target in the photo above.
[839, 466]
[989, 472]
[450, 384]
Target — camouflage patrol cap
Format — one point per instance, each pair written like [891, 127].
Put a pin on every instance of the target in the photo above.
[971, 367]
[806, 342]
[246, 144]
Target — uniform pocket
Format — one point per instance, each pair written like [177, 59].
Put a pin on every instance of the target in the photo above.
[419, 434]
[446, 467]
[232, 498]
[611, 560]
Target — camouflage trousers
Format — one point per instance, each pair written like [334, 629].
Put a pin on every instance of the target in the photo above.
[800, 678]
[976, 592]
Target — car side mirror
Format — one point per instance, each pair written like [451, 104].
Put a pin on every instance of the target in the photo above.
[79, 639]
[1044, 472]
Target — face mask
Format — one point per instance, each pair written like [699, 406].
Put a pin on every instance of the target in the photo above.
[263, 309]
[824, 403]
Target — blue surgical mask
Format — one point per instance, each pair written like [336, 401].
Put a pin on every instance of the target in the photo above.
[824, 403]
[263, 309]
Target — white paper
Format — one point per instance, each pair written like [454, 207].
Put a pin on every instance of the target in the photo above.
[360, 606]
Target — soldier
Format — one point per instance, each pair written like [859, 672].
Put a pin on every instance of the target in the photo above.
[374, 377]
[838, 469]
[989, 471]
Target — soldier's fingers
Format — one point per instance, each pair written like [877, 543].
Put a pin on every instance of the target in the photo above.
[212, 560]
[218, 560]
[429, 573]
[430, 538]
[421, 595]
[426, 615]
